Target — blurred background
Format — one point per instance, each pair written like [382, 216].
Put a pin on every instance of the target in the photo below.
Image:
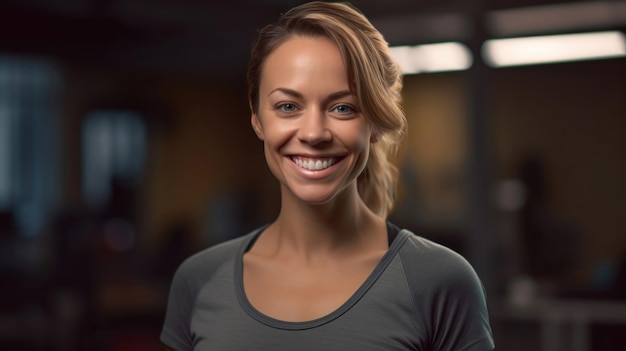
[125, 146]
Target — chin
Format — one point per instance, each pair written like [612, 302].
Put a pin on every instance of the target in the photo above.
[317, 195]
[315, 198]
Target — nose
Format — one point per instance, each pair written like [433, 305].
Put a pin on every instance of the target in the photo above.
[313, 128]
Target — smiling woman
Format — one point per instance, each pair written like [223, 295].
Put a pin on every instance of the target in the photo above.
[308, 117]
[330, 272]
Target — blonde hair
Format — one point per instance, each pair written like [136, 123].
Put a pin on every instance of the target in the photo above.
[375, 78]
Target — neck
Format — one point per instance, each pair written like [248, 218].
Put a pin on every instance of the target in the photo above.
[341, 225]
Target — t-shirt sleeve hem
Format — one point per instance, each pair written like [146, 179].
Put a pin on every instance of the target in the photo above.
[483, 344]
[171, 341]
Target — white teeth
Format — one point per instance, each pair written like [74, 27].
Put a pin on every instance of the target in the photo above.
[312, 165]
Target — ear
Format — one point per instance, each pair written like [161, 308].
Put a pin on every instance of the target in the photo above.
[257, 126]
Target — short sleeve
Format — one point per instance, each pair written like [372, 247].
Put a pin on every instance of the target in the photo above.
[450, 297]
[190, 277]
[176, 328]
[460, 316]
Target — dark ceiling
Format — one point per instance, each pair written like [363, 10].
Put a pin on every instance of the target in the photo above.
[199, 37]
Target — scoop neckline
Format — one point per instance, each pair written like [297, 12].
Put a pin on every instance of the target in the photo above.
[247, 306]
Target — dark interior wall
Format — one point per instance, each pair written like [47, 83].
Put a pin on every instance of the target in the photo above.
[201, 145]
[208, 154]
[563, 121]
[570, 117]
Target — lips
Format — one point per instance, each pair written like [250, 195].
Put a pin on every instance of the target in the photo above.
[314, 163]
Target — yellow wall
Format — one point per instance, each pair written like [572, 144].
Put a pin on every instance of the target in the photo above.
[437, 111]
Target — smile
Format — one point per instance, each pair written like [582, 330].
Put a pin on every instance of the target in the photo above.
[314, 164]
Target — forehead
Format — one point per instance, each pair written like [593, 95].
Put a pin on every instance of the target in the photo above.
[302, 58]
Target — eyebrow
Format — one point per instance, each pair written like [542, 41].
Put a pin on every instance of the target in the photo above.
[298, 95]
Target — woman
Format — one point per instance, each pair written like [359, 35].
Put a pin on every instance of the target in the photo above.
[330, 273]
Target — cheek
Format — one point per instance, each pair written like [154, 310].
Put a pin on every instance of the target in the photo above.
[277, 136]
[271, 148]
[272, 160]
[358, 136]
[364, 143]
[358, 139]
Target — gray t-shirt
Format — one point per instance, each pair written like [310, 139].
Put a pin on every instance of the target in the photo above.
[421, 296]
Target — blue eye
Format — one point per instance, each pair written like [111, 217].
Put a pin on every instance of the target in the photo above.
[287, 107]
[343, 109]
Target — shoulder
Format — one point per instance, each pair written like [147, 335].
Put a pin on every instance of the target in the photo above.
[199, 267]
[448, 294]
[421, 250]
[190, 277]
[438, 265]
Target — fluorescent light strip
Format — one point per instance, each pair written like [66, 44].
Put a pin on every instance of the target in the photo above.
[441, 57]
[557, 18]
[554, 48]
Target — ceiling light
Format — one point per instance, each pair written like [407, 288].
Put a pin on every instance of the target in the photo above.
[440, 57]
[554, 48]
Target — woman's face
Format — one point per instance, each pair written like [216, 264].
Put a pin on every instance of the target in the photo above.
[316, 139]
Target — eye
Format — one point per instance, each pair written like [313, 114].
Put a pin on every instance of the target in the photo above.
[287, 107]
[344, 109]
